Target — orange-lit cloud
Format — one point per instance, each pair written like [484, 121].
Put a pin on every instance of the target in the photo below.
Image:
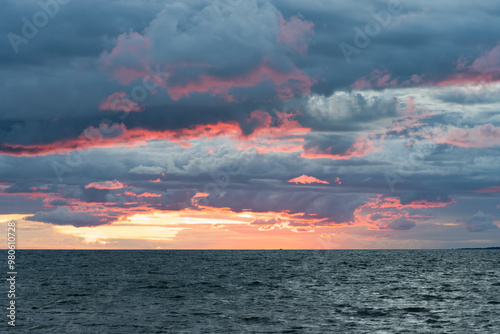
[119, 135]
[106, 185]
[393, 202]
[155, 181]
[286, 135]
[287, 83]
[147, 194]
[388, 213]
[305, 179]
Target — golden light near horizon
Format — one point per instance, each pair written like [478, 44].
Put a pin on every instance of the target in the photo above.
[160, 226]
[12, 217]
[120, 231]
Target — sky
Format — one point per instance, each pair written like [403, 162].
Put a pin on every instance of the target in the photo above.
[234, 124]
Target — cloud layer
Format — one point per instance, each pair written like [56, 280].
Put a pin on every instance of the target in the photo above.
[251, 112]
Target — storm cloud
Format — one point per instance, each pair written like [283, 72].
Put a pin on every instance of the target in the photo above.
[115, 109]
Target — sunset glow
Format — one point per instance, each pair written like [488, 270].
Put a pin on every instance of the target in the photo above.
[267, 125]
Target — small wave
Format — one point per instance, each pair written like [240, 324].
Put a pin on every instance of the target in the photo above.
[416, 309]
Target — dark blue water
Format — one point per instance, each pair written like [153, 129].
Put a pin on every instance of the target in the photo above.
[258, 292]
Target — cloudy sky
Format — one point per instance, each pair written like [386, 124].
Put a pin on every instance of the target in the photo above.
[250, 124]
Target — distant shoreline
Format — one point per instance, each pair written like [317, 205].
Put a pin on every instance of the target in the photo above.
[480, 248]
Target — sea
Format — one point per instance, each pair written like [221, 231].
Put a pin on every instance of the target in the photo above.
[275, 291]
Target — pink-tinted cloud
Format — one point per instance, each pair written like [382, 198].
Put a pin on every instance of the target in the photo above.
[306, 179]
[287, 84]
[486, 135]
[129, 58]
[466, 79]
[295, 33]
[383, 78]
[118, 135]
[410, 107]
[492, 189]
[377, 79]
[119, 102]
[283, 134]
[483, 70]
[388, 213]
[413, 117]
[488, 63]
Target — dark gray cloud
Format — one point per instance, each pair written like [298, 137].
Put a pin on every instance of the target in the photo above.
[346, 112]
[328, 143]
[480, 222]
[62, 216]
[401, 224]
[335, 208]
[212, 71]
[61, 68]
